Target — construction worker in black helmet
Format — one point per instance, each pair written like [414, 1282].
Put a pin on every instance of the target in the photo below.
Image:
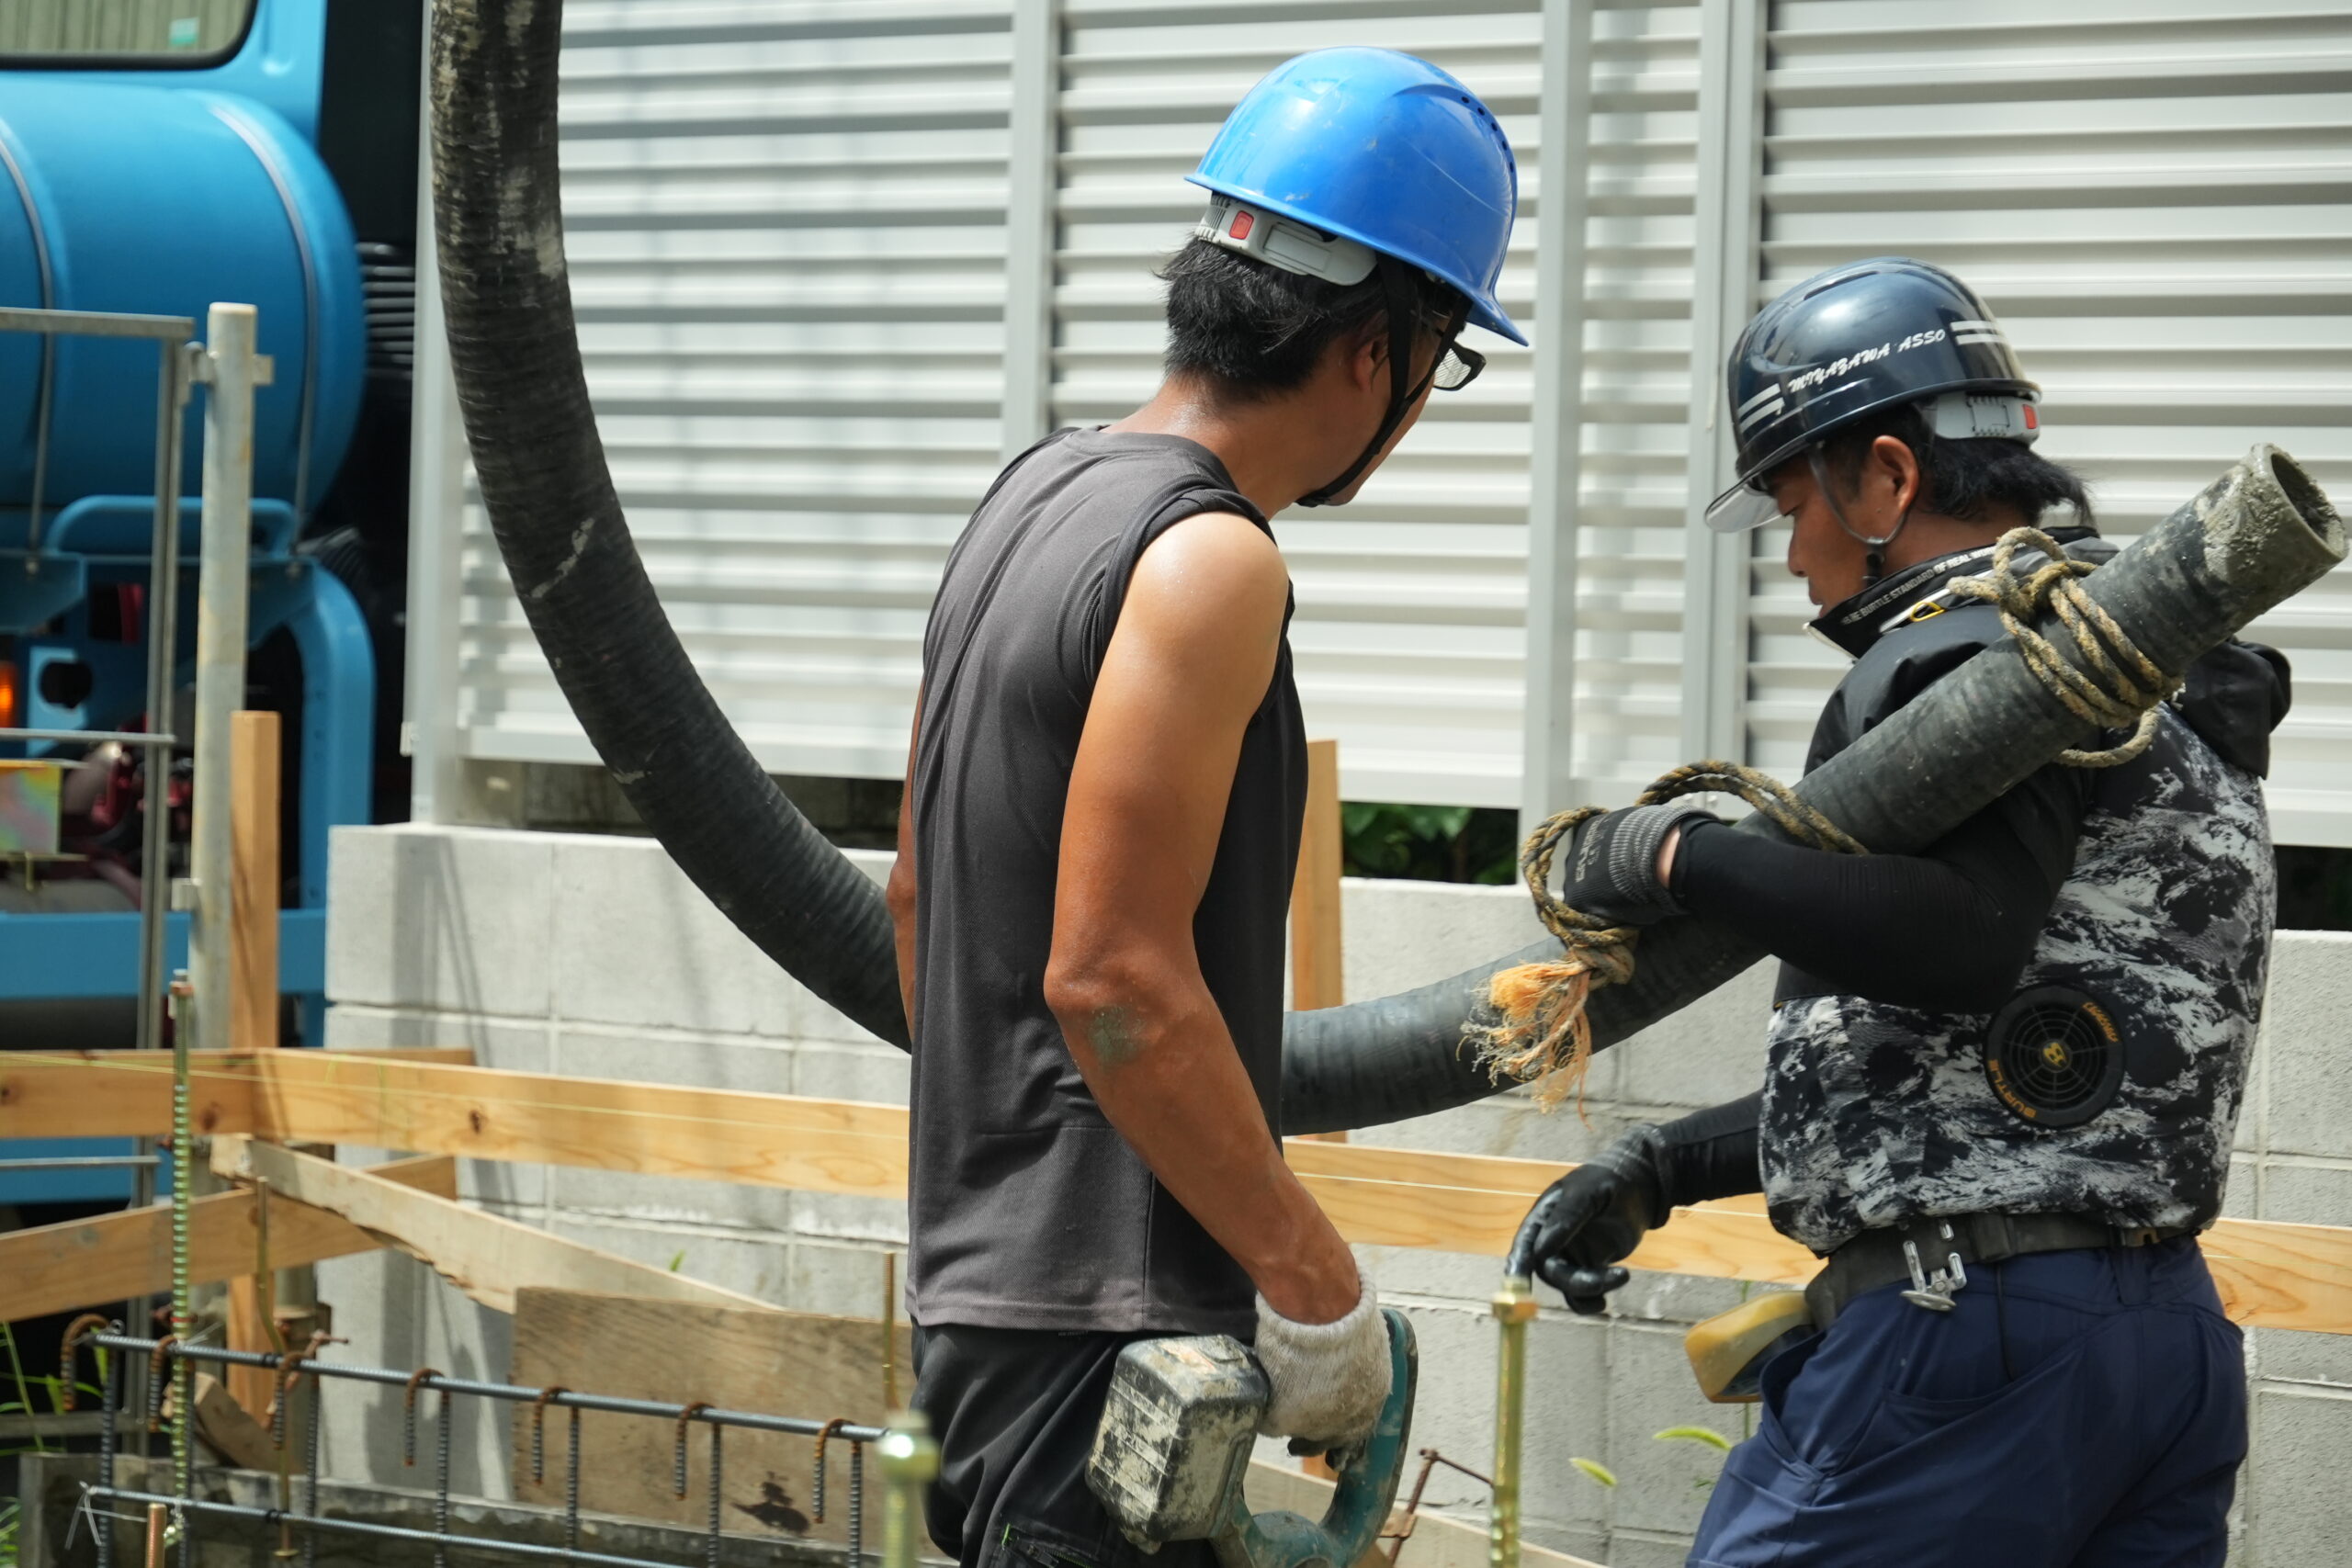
[2004, 1072]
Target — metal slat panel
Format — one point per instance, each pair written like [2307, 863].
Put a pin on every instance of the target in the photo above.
[785, 222]
[2153, 194]
[1410, 634]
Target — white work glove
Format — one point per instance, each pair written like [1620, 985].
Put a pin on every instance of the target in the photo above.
[1326, 1380]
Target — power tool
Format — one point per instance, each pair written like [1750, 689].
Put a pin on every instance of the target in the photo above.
[1174, 1451]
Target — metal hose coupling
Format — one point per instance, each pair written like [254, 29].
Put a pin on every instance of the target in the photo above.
[909, 1463]
[1514, 1307]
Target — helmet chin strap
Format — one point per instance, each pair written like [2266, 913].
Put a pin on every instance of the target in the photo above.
[1874, 561]
[1402, 321]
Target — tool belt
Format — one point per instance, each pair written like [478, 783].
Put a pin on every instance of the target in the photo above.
[1934, 1254]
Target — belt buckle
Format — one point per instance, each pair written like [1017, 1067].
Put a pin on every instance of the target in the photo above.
[1934, 1291]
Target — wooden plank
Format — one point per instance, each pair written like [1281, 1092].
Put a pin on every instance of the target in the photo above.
[745, 1359]
[768, 1140]
[1437, 1541]
[2276, 1276]
[484, 1255]
[254, 893]
[1315, 945]
[128, 1094]
[87, 1263]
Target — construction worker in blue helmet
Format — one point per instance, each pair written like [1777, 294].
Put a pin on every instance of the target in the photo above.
[1102, 814]
[2003, 1073]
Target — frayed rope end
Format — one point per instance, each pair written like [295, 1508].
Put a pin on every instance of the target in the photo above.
[1539, 1036]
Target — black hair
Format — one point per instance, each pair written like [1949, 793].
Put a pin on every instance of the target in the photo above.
[1252, 330]
[1962, 479]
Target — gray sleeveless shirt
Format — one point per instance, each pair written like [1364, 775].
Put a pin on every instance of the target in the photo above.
[1027, 1209]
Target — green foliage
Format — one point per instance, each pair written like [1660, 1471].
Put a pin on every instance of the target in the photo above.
[1430, 843]
[1595, 1469]
[10, 1512]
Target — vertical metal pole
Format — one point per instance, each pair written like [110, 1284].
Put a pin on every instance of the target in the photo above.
[221, 590]
[1512, 1305]
[436, 506]
[1724, 266]
[1565, 126]
[104, 1522]
[163, 658]
[1033, 143]
[910, 1462]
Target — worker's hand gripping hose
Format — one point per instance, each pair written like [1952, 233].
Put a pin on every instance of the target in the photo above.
[2257, 535]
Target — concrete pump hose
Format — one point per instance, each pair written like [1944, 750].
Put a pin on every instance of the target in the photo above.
[499, 221]
[2259, 533]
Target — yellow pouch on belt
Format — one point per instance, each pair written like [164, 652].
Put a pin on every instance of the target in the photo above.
[1727, 1353]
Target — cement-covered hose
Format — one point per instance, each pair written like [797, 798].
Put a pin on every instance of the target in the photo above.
[2260, 532]
[2248, 543]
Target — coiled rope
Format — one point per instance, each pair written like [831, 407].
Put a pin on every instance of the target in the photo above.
[1537, 1032]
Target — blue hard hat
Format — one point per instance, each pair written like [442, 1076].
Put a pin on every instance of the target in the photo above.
[1860, 337]
[1382, 149]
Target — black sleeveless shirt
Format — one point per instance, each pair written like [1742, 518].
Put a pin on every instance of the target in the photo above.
[1026, 1207]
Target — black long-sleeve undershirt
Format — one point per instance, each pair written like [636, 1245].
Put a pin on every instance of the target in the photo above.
[1947, 929]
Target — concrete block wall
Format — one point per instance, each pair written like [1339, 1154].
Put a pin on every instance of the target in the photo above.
[589, 954]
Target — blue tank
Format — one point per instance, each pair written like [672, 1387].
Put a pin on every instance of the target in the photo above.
[162, 199]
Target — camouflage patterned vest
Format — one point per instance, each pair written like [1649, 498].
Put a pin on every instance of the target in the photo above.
[2138, 1005]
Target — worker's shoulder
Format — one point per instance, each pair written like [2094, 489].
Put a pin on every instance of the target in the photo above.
[1214, 556]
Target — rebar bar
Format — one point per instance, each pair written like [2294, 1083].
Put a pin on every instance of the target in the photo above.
[856, 1504]
[539, 1433]
[408, 1416]
[441, 1481]
[910, 1462]
[817, 1485]
[1513, 1305]
[710, 1553]
[310, 1471]
[572, 1489]
[500, 1547]
[110, 1370]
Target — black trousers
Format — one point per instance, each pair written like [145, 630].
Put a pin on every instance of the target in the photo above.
[1014, 1411]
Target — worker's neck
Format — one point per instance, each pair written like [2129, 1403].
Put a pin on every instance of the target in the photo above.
[1275, 449]
[1931, 534]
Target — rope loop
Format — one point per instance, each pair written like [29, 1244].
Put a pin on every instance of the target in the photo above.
[1540, 1035]
[2122, 686]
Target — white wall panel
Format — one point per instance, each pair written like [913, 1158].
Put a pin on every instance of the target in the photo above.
[785, 228]
[2153, 194]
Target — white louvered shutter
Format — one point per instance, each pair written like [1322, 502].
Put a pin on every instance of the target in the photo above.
[2153, 196]
[786, 226]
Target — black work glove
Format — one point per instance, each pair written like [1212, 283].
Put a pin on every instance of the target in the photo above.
[1592, 1217]
[1609, 866]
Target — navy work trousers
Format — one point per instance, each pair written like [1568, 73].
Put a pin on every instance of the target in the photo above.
[2081, 1409]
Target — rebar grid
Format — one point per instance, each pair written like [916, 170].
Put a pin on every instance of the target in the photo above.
[171, 1353]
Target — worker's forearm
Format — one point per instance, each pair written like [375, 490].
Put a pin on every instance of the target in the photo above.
[1165, 1072]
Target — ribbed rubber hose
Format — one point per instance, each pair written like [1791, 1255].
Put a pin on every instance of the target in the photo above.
[2260, 532]
[498, 214]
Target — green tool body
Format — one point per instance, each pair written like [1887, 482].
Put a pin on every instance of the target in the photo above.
[1172, 1454]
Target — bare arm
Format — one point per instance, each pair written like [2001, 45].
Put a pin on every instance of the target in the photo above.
[900, 893]
[1188, 664]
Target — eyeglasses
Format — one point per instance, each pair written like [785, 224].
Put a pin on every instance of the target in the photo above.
[1456, 368]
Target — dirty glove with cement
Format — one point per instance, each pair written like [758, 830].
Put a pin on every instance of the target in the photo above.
[1609, 866]
[1597, 1213]
[1326, 1382]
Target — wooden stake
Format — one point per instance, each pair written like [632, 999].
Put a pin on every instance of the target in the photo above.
[1314, 951]
[254, 880]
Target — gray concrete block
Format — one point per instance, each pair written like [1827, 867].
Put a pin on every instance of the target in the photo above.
[845, 1281]
[2294, 1355]
[2304, 1194]
[425, 917]
[2253, 1131]
[2241, 1196]
[1678, 1300]
[833, 1216]
[514, 1045]
[1403, 1274]
[518, 1189]
[2310, 1100]
[758, 1267]
[2299, 1510]
[1399, 935]
[749, 1064]
[637, 943]
[870, 1071]
[1583, 1541]
[1646, 1548]
[1662, 1484]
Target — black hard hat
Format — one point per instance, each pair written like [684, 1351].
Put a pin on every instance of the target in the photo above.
[1855, 339]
